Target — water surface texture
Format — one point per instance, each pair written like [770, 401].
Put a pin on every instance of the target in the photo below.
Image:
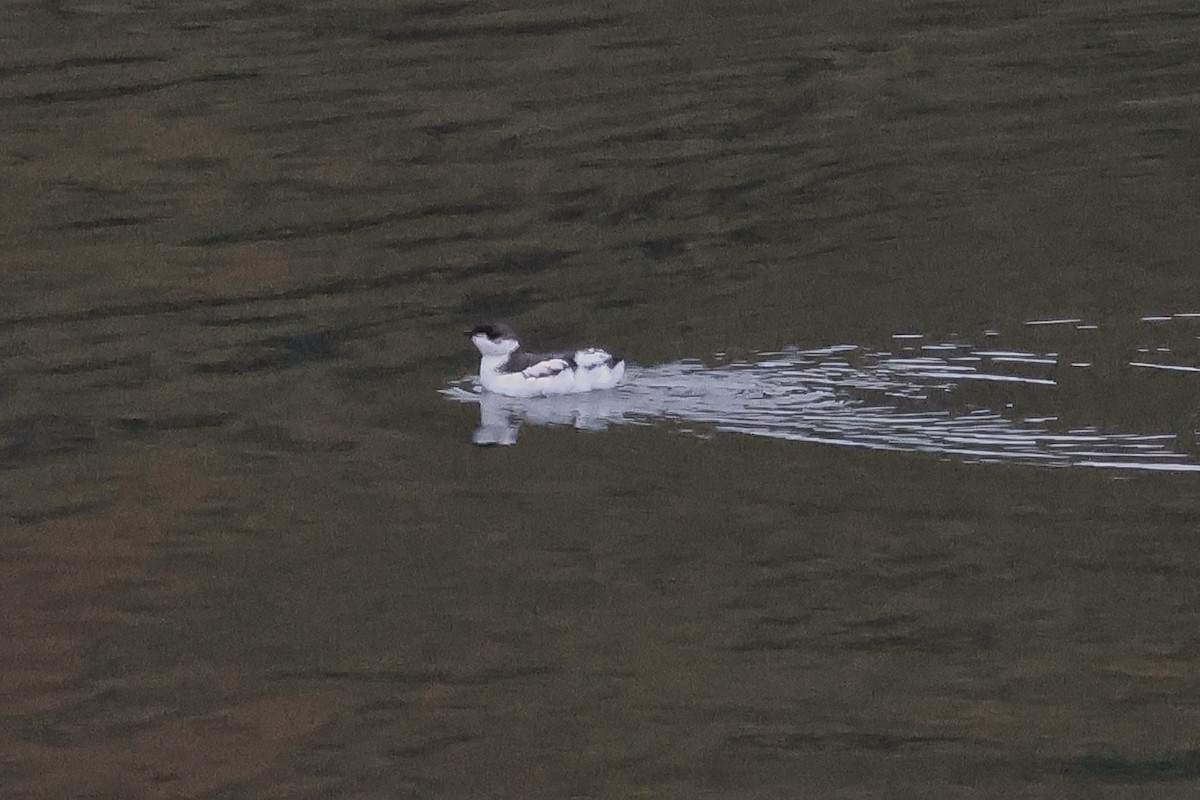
[249, 550]
[930, 398]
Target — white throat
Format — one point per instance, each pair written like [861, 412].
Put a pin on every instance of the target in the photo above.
[492, 363]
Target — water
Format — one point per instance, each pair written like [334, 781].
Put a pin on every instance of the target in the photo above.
[918, 401]
[249, 549]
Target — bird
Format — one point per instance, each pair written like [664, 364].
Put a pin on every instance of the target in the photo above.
[504, 368]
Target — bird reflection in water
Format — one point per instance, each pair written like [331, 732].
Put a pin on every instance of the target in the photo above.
[500, 417]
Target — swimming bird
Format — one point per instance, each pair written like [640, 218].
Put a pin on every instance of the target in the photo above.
[504, 368]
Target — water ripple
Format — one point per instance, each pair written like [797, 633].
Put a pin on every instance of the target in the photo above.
[850, 397]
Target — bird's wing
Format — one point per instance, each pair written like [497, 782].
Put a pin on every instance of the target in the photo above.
[546, 368]
[592, 357]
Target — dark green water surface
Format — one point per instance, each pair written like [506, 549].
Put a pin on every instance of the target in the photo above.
[247, 549]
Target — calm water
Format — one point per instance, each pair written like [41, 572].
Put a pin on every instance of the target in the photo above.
[250, 551]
